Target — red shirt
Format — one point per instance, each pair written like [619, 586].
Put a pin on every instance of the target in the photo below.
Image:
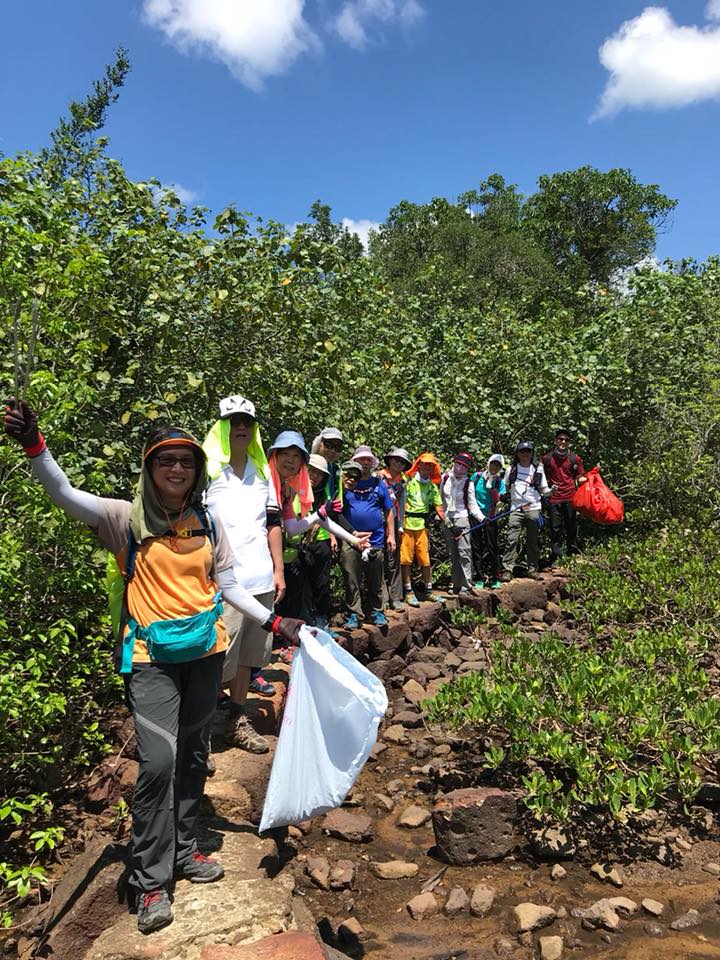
[559, 471]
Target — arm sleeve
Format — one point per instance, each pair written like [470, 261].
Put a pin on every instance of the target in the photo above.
[77, 504]
[475, 510]
[238, 597]
[544, 485]
[294, 526]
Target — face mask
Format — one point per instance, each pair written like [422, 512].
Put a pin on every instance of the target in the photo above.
[459, 470]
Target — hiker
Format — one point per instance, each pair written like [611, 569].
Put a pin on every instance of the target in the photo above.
[525, 484]
[461, 511]
[489, 488]
[329, 444]
[288, 461]
[564, 469]
[320, 545]
[423, 497]
[367, 505]
[241, 497]
[178, 564]
[397, 461]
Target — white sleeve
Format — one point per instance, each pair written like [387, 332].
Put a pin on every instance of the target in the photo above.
[544, 486]
[77, 504]
[475, 510]
[237, 596]
[294, 526]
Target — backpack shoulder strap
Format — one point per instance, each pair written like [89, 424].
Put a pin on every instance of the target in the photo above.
[466, 495]
[573, 461]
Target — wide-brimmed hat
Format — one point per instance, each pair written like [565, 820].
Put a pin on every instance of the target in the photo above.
[236, 404]
[399, 452]
[465, 459]
[290, 438]
[331, 433]
[320, 463]
[365, 451]
[351, 465]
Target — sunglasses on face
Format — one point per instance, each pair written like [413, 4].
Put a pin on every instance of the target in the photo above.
[351, 478]
[167, 461]
[241, 420]
[333, 444]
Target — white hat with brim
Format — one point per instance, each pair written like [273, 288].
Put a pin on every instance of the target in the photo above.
[320, 463]
[236, 404]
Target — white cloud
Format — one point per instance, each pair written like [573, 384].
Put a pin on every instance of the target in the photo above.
[184, 194]
[357, 16]
[654, 62]
[361, 227]
[253, 38]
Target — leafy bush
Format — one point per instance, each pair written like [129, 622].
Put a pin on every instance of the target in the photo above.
[624, 718]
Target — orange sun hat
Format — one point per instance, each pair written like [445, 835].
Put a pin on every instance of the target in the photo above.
[436, 475]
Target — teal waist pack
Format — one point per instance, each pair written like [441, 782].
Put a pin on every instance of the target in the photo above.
[174, 641]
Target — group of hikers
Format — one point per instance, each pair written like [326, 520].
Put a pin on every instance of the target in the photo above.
[226, 551]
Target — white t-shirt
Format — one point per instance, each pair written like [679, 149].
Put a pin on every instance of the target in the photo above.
[523, 490]
[241, 504]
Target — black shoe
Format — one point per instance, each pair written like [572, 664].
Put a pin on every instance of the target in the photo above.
[201, 869]
[154, 911]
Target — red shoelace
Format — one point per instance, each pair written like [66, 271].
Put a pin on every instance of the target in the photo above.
[152, 897]
[201, 858]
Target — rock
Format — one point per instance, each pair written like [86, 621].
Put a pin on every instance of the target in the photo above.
[422, 672]
[395, 786]
[558, 872]
[654, 929]
[482, 900]
[385, 641]
[423, 905]
[457, 902]
[353, 827]
[377, 749]
[503, 947]
[395, 734]
[452, 661]
[231, 911]
[531, 916]
[318, 869]
[475, 823]
[442, 750]
[429, 653]
[605, 913]
[114, 781]
[425, 619]
[607, 873]
[395, 870]
[553, 844]
[690, 919]
[414, 817]
[342, 875]
[551, 948]
[384, 801]
[421, 750]
[712, 868]
[385, 669]
[351, 930]
[293, 945]
[470, 654]
[686, 847]
[552, 612]
[653, 907]
[623, 905]
[663, 855]
[407, 719]
[414, 692]
[522, 595]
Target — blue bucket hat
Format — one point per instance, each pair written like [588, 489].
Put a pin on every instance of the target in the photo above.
[290, 438]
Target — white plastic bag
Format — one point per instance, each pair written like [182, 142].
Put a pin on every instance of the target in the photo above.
[333, 710]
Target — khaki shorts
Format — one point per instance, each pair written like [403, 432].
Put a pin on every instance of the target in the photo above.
[249, 643]
[415, 545]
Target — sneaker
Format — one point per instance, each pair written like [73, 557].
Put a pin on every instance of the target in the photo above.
[480, 585]
[398, 605]
[494, 584]
[411, 600]
[240, 733]
[201, 869]
[379, 619]
[431, 597]
[352, 622]
[154, 911]
[260, 685]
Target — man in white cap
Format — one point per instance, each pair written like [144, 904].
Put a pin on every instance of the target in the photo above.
[242, 496]
[329, 444]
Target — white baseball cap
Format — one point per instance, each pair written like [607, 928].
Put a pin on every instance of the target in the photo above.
[236, 404]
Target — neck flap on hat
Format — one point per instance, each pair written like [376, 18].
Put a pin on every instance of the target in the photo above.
[217, 449]
[149, 516]
[299, 486]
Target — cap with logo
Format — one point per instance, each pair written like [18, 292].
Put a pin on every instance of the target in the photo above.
[236, 404]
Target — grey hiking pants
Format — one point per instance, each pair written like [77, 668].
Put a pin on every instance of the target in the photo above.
[172, 705]
[355, 569]
[460, 556]
[516, 521]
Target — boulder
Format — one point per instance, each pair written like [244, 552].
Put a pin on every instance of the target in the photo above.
[356, 642]
[424, 619]
[293, 945]
[606, 913]
[385, 669]
[531, 916]
[484, 601]
[482, 900]
[522, 595]
[353, 827]
[423, 905]
[395, 870]
[422, 672]
[414, 691]
[427, 654]
[474, 823]
[653, 907]
[607, 873]
[409, 719]
[413, 817]
[386, 640]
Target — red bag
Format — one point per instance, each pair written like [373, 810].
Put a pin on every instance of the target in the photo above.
[596, 501]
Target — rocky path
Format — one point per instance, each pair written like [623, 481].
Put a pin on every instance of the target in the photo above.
[369, 880]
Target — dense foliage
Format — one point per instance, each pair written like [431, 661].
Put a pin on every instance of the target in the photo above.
[469, 325]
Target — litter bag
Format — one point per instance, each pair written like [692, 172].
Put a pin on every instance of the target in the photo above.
[333, 710]
[596, 501]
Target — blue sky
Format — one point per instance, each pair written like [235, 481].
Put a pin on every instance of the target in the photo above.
[271, 104]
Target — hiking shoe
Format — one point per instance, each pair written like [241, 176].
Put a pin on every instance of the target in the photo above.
[352, 622]
[480, 585]
[210, 765]
[398, 605]
[411, 600]
[154, 911]
[494, 584]
[379, 619]
[240, 733]
[433, 598]
[201, 869]
[260, 685]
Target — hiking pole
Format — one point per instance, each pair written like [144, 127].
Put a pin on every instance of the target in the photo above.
[498, 516]
[16, 350]
[30, 358]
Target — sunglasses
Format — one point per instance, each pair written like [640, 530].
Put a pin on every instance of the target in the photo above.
[351, 477]
[333, 444]
[241, 420]
[167, 461]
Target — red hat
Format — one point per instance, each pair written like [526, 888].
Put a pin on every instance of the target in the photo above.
[465, 459]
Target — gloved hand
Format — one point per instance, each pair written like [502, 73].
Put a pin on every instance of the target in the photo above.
[457, 532]
[289, 629]
[329, 507]
[21, 423]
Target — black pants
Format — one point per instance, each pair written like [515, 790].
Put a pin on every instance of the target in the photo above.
[563, 520]
[392, 584]
[172, 706]
[297, 600]
[485, 551]
[318, 563]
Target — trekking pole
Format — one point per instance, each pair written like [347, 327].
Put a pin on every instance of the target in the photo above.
[16, 350]
[498, 516]
[30, 358]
